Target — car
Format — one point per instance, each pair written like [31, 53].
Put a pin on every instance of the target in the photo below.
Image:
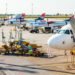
[34, 31]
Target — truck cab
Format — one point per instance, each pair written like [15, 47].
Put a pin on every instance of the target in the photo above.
[46, 29]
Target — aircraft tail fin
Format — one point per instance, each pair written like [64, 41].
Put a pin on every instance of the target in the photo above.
[20, 17]
[41, 17]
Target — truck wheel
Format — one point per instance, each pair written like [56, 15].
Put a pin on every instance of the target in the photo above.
[37, 31]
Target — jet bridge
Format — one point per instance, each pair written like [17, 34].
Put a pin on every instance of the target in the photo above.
[72, 22]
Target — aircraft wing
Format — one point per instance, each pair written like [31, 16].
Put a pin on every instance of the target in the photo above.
[39, 24]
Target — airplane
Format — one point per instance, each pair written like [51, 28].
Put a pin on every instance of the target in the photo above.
[38, 22]
[65, 38]
[41, 22]
[17, 19]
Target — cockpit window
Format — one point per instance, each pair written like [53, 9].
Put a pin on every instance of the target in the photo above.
[67, 32]
[61, 31]
[64, 32]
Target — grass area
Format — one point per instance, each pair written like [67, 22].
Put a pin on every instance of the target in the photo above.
[35, 16]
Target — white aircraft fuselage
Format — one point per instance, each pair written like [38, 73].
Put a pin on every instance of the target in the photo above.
[64, 39]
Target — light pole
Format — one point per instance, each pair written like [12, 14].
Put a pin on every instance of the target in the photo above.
[6, 9]
[32, 8]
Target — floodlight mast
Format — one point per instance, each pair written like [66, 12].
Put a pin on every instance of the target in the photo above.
[32, 8]
[6, 9]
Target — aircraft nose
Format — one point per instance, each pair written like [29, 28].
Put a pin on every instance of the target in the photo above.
[52, 42]
[60, 41]
[55, 41]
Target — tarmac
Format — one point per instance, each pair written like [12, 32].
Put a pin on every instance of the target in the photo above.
[22, 65]
[2, 73]
[28, 65]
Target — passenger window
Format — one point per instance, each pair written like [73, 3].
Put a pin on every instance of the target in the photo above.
[71, 32]
[67, 32]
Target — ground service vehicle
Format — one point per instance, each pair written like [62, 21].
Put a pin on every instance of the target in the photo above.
[46, 29]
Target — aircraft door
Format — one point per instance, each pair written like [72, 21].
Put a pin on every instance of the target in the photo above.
[72, 35]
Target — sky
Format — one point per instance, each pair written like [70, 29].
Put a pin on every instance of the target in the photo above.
[37, 6]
